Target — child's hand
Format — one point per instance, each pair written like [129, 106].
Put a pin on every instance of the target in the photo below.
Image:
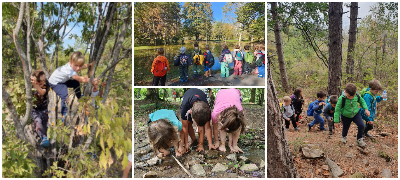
[287, 119]
[337, 125]
[370, 122]
[367, 113]
[211, 147]
[104, 84]
[200, 148]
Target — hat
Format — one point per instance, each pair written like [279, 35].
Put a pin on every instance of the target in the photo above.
[183, 49]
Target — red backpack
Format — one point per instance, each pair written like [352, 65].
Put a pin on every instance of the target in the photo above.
[160, 68]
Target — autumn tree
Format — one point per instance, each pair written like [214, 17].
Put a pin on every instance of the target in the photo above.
[197, 18]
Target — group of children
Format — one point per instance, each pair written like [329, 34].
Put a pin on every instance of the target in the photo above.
[227, 116]
[174, 95]
[335, 108]
[60, 80]
[198, 60]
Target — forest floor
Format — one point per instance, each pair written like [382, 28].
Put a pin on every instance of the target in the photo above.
[380, 153]
[200, 164]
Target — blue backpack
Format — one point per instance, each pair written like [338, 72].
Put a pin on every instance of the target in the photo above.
[310, 111]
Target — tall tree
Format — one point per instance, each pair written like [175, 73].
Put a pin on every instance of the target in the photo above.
[253, 95]
[352, 41]
[197, 18]
[280, 161]
[335, 48]
[279, 48]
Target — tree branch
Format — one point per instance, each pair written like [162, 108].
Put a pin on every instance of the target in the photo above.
[126, 55]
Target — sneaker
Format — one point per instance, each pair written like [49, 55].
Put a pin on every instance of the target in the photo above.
[181, 80]
[344, 140]
[323, 129]
[309, 127]
[361, 143]
[367, 135]
[296, 129]
[330, 132]
[45, 142]
[186, 80]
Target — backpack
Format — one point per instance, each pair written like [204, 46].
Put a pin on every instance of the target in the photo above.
[228, 58]
[260, 59]
[183, 59]
[310, 111]
[365, 91]
[239, 56]
[160, 68]
[210, 60]
[198, 59]
[344, 99]
[248, 57]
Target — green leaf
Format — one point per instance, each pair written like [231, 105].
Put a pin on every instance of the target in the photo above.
[124, 162]
[102, 142]
[103, 161]
[110, 141]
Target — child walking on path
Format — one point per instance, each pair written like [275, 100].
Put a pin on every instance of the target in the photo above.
[288, 113]
[183, 61]
[66, 76]
[39, 111]
[329, 112]
[224, 59]
[228, 117]
[297, 101]
[318, 105]
[160, 68]
[370, 99]
[348, 110]
[163, 128]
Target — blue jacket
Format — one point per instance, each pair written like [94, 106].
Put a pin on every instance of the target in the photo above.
[369, 100]
[224, 51]
[317, 108]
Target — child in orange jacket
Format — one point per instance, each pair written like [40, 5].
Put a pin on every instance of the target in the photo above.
[159, 68]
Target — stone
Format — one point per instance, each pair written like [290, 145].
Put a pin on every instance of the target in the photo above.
[192, 162]
[357, 175]
[198, 170]
[150, 174]
[140, 165]
[386, 147]
[211, 154]
[325, 167]
[386, 173]
[244, 159]
[262, 165]
[385, 134]
[231, 157]
[219, 168]
[349, 155]
[334, 169]
[312, 153]
[154, 161]
[249, 168]
[364, 161]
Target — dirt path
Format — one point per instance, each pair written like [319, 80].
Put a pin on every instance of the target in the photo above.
[347, 156]
[252, 143]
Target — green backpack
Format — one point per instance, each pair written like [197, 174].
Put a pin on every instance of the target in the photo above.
[248, 57]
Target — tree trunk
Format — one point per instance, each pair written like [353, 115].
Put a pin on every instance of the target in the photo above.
[138, 94]
[279, 48]
[352, 41]
[261, 97]
[280, 162]
[253, 95]
[335, 48]
[384, 47]
[152, 94]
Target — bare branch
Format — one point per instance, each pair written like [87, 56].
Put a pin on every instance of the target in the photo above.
[126, 55]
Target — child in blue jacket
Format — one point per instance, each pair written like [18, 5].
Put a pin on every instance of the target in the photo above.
[317, 108]
[371, 99]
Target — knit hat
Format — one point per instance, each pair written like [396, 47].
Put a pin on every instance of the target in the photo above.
[183, 49]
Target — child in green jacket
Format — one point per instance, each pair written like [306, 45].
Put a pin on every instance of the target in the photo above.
[348, 110]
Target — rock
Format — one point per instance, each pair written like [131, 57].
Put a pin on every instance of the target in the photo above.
[357, 175]
[312, 153]
[231, 175]
[244, 159]
[231, 157]
[262, 165]
[249, 168]
[192, 162]
[325, 167]
[385, 134]
[154, 161]
[198, 170]
[219, 168]
[256, 137]
[362, 151]
[140, 165]
[386, 147]
[386, 173]
[334, 168]
[211, 154]
[349, 155]
[364, 161]
[384, 155]
[318, 171]
[150, 174]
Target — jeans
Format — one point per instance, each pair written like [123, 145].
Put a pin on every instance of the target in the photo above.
[156, 79]
[318, 119]
[61, 90]
[356, 119]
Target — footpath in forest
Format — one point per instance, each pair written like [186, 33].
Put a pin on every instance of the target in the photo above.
[207, 164]
[316, 154]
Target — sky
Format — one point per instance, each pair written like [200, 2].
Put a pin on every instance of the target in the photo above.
[362, 12]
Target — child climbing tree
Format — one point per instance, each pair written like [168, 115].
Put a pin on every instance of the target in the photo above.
[97, 130]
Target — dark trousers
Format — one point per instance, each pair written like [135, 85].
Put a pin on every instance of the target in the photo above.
[183, 72]
[287, 123]
[61, 90]
[246, 67]
[331, 124]
[298, 116]
[40, 119]
[356, 119]
[368, 127]
[157, 79]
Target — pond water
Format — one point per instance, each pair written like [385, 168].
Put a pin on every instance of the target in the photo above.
[144, 56]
